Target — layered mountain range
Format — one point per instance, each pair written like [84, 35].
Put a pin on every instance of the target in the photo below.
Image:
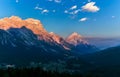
[32, 40]
[81, 46]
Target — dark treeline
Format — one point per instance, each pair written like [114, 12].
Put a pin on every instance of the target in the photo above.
[35, 72]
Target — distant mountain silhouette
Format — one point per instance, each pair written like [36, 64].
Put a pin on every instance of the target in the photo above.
[108, 57]
[105, 63]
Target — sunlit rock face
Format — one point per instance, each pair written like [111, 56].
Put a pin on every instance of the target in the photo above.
[81, 46]
[76, 39]
[60, 41]
[16, 22]
[34, 25]
[27, 40]
[55, 37]
[16, 27]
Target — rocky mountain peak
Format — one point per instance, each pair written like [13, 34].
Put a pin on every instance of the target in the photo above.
[16, 22]
[15, 18]
[75, 35]
[76, 39]
[33, 21]
[27, 29]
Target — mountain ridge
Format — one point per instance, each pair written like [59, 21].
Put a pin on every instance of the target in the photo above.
[16, 26]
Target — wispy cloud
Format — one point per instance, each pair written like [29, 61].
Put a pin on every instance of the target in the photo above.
[56, 1]
[45, 11]
[76, 11]
[83, 19]
[38, 8]
[73, 10]
[90, 7]
[73, 7]
[41, 9]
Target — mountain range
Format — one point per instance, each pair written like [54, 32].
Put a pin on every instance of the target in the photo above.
[26, 41]
[29, 41]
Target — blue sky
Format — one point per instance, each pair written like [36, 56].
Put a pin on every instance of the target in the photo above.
[94, 18]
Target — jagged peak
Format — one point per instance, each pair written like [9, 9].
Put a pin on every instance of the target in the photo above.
[15, 18]
[75, 39]
[52, 33]
[75, 33]
[16, 22]
[75, 36]
[31, 20]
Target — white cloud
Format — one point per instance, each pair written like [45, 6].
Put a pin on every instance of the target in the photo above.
[76, 11]
[45, 11]
[57, 1]
[73, 7]
[38, 8]
[83, 19]
[42, 10]
[90, 7]
[72, 12]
